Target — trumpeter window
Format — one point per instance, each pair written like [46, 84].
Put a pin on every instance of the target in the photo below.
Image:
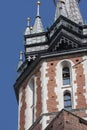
[66, 76]
[67, 101]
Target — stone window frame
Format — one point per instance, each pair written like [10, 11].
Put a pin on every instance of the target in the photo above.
[66, 63]
[60, 88]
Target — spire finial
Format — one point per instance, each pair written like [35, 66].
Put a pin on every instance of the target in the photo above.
[28, 21]
[38, 8]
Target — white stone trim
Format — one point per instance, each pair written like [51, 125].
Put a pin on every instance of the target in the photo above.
[86, 114]
[85, 73]
[74, 88]
[44, 81]
[35, 96]
[19, 107]
[29, 104]
[28, 114]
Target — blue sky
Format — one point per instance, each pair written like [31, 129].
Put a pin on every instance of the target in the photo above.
[13, 15]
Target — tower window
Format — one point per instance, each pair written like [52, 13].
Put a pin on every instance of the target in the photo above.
[67, 101]
[66, 76]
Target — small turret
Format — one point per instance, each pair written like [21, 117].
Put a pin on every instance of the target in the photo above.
[38, 27]
[34, 37]
[27, 31]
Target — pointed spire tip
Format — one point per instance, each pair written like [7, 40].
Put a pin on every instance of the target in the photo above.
[38, 2]
[28, 21]
[38, 8]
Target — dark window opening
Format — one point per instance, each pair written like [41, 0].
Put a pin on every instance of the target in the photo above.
[67, 101]
[66, 76]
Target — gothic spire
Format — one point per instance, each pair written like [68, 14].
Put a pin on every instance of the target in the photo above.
[69, 9]
[38, 27]
[60, 9]
[27, 31]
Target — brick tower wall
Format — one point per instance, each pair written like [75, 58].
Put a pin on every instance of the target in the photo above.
[49, 89]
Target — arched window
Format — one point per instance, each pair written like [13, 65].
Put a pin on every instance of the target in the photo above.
[67, 101]
[66, 76]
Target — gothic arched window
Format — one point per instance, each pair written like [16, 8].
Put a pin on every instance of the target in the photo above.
[67, 101]
[66, 76]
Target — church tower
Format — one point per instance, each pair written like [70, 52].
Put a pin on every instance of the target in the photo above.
[53, 75]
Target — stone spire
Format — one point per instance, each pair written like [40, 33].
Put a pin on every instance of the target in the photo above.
[69, 9]
[27, 31]
[60, 9]
[38, 27]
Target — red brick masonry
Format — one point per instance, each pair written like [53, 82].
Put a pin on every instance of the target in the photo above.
[39, 95]
[80, 81]
[51, 74]
[66, 120]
